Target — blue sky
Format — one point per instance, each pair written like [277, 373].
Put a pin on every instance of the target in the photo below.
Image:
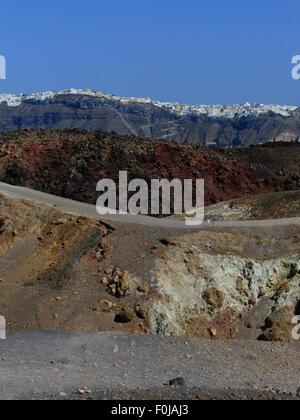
[189, 51]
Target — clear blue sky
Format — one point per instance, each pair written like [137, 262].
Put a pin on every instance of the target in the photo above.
[189, 51]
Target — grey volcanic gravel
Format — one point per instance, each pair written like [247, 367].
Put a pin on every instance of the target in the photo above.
[35, 365]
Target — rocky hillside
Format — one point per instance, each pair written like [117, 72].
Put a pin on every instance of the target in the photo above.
[94, 113]
[69, 163]
[63, 271]
[257, 207]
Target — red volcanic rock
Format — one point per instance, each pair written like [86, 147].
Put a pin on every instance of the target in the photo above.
[69, 163]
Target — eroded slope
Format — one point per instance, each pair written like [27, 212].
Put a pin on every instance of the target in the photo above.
[66, 272]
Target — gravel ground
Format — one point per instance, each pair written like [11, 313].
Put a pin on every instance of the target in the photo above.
[55, 365]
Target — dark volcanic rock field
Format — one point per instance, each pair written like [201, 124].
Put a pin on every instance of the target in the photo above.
[69, 163]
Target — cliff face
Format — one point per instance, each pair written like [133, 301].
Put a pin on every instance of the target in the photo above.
[146, 120]
[69, 163]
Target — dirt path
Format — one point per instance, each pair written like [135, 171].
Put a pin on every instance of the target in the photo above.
[82, 209]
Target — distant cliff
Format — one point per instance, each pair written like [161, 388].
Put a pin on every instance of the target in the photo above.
[147, 119]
